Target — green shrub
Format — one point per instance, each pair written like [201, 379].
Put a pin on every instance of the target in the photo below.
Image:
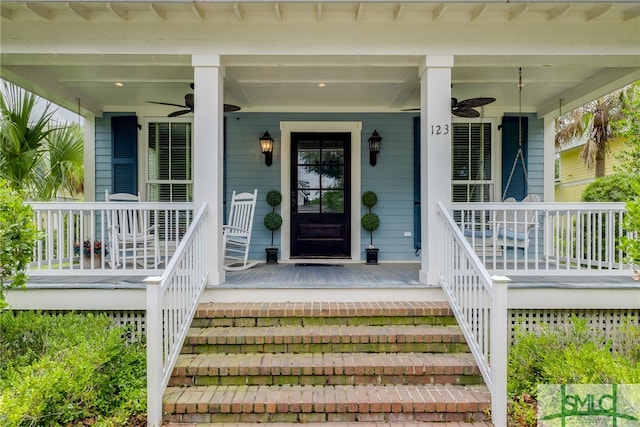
[630, 243]
[618, 187]
[18, 234]
[569, 354]
[65, 369]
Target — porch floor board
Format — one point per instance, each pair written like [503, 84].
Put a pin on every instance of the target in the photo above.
[348, 275]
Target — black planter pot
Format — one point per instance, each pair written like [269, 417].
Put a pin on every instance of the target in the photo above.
[272, 255]
[372, 256]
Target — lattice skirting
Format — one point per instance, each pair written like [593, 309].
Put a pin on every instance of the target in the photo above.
[606, 320]
[132, 320]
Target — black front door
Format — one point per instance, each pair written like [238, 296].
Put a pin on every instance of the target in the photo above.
[320, 194]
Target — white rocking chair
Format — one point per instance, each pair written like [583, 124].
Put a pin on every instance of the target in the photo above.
[133, 237]
[237, 233]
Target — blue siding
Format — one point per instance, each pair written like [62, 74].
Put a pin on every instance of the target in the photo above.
[392, 178]
[104, 176]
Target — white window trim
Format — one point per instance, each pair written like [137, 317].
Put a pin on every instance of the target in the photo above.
[286, 128]
[143, 149]
[496, 158]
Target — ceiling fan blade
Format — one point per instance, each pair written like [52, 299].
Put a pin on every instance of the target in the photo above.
[411, 109]
[465, 112]
[230, 108]
[454, 102]
[474, 102]
[179, 113]
[167, 103]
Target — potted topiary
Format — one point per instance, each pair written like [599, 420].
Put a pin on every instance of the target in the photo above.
[370, 222]
[273, 221]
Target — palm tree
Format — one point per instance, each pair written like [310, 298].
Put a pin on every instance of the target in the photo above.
[37, 154]
[595, 120]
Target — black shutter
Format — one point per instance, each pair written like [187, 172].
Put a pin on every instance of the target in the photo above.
[517, 187]
[124, 159]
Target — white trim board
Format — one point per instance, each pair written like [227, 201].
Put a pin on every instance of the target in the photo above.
[286, 128]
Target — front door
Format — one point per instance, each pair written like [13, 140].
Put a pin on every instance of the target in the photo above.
[320, 194]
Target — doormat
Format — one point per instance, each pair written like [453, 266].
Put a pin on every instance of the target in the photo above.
[312, 264]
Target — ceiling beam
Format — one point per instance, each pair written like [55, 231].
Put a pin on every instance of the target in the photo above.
[6, 13]
[518, 12]
[38, 10]
[162, 14]
[78, 10]
[397, 14]
[630, 16]
[600, 84]
[238, 11]
[558, 12]
[478, 11]
[439, 11]
[597, 12]
[197, 11]
[360, 11]
[118, 11]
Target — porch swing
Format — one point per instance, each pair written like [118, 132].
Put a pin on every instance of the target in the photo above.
[513, 226]
[520, 152]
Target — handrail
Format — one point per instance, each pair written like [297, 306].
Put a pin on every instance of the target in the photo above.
[172, 300]
[479, 303]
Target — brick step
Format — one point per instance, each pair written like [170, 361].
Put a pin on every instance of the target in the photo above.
[326, 368]
[310, 314]
[319, 404]
[362, 424]
[326, 339]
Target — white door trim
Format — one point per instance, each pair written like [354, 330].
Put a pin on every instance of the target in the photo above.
[286, 128]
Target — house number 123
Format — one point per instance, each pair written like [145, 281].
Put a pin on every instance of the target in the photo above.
[439, 129]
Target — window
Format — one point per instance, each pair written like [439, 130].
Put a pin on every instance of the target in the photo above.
[170, 162]
[472, 172]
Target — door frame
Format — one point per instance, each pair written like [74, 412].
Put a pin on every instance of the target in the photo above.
[355, 129]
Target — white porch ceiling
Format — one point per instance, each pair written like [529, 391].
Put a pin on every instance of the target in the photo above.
[275, 54]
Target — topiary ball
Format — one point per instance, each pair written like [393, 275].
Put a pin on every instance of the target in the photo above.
[369, 199]
[272, 221]
[274, 198]
[370, 221]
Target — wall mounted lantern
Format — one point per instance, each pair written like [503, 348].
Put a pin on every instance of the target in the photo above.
[266, 145]
[374, 147]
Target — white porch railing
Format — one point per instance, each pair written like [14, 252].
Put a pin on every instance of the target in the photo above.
[545, 238]
[172, 300]
[68, 226]
[479, 303]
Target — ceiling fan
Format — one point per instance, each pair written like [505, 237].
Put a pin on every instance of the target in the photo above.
[188, 105]
[465, 108]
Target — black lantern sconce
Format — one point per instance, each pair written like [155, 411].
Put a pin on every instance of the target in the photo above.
[266, 145]
[374, 147]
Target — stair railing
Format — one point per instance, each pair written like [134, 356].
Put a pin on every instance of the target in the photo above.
[479, 303]
[172, 300]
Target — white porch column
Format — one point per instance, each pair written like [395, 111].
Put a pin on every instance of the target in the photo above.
[435, 158]
[208, 155]
[89, 159]
[549, 159]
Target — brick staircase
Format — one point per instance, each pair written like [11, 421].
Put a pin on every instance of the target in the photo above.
[394, 363]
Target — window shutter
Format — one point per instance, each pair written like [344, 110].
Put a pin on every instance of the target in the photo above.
[517, 188]
[417, 221]
[124, 159]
